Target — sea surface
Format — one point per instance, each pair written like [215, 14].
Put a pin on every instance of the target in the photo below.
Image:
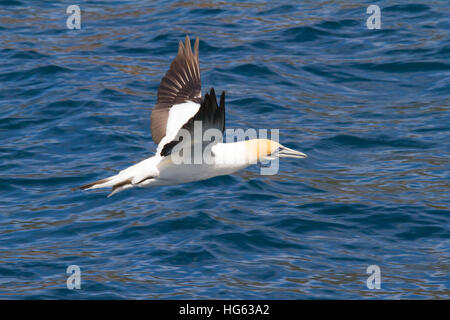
[370, 107]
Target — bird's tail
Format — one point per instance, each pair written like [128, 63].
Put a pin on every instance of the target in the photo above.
[117, 183]
[128, 178]
[97, 184]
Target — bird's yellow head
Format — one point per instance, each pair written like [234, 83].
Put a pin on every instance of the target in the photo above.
[265, 149]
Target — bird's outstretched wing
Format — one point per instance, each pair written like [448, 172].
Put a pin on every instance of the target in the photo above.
[179, 94]
[180, 103]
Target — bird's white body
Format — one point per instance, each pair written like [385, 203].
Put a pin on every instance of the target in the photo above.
[226, 158]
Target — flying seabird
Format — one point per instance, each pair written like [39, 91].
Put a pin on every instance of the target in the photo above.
[179, 108]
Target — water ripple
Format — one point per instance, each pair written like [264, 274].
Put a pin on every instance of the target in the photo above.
[369, 107]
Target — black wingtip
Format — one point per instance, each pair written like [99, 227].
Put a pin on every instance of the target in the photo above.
[212, 92]
[222, 100]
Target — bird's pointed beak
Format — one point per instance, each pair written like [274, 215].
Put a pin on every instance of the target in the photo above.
[290, 153]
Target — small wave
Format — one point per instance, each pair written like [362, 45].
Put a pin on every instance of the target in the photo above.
[410, 8]
[303, 34]
[33, 72]
[358, 142]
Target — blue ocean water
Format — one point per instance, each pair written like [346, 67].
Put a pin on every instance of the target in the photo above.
[371, 108]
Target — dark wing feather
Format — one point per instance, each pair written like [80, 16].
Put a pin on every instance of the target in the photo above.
[180, 84]
[210, 114]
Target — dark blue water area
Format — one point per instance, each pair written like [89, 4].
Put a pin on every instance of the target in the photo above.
[371, 108]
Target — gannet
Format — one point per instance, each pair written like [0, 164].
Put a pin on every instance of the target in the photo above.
[179, 106]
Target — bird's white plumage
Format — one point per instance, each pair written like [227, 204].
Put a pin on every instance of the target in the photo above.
[179, 114]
